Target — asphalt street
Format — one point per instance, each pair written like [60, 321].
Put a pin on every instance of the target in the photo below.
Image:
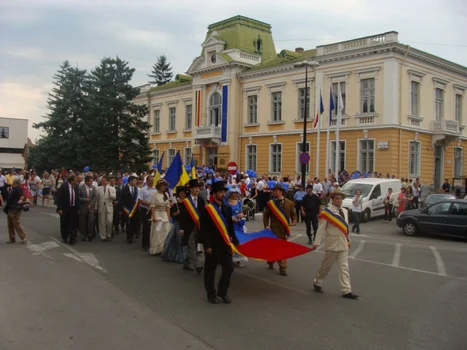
[115, 296]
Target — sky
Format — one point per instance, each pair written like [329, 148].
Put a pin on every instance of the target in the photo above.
[36, 36]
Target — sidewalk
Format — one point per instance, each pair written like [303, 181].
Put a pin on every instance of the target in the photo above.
[51, 302]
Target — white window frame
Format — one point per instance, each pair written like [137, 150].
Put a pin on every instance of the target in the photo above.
[213, 107]
[414, 98]
[271, 168]
[418, 159]
[439, 104]
[342, 158]
[372, 95]
[157, 120]
[461, 159]
[187, 155]
[170, 157]
[188, 116]
[298, 151]
[359, 155]
[253, 154]
[458, 101]
[155, 156]
[276, 106]
[301, 103]
[336, 98]
[252, 109]
[172, 118]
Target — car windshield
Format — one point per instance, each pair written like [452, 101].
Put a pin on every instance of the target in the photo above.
[350, 187]
[432, 199]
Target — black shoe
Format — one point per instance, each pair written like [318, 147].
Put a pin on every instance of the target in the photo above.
[130, 241]
[282, 272]
[353, 229]
[200, 253]
[226, 299]
[213, 300]
[271, 266]
[310, 241]
[199, 270]
[358, 232]
[350, 296]
[317, 288]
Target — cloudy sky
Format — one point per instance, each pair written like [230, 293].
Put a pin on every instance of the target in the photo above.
[37, 35]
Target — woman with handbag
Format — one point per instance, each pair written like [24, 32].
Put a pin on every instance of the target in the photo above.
[13, 209]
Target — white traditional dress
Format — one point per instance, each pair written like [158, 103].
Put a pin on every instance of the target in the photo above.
[161, 227]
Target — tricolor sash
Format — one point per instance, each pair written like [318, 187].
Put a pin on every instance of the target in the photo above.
[280, 215]
[219, 220]
[130, 211]
[192, 210]
[336, 221]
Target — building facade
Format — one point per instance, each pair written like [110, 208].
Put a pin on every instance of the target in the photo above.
[13, 138]
[403, 109]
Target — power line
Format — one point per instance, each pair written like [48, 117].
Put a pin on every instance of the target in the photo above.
[408, 42]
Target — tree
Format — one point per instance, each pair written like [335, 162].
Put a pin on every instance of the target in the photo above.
[67, 103]
[161, 71]
[117, 135]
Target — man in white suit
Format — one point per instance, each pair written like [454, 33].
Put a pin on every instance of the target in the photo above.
[105, 196]
[333, 229]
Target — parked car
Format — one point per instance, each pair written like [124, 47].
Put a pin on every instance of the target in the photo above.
[372, 192]
[448, 217]
[435, 198]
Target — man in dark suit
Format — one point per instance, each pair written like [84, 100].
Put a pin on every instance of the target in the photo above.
[310, 209]
[129, 203]
[67, 208]
[189, 226]
[216, 249]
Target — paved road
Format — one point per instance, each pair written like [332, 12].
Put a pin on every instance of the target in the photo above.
[107, 295]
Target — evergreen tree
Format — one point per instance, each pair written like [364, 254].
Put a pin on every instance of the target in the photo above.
[60, 146]
[116, 134]
[161, 71]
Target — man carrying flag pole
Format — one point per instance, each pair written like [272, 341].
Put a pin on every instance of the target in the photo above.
[331, 108]
[318, 123]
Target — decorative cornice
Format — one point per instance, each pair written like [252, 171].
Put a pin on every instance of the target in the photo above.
[276, 85]
[459, 86]
[172, 102]
[252, 89]
[171, 90]
[367, 70]
[337, 74]
[187, 99]
[155, 105]
[267, 71]
[416, 73]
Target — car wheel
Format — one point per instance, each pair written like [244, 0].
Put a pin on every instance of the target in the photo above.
[410, 228]
[366, 215]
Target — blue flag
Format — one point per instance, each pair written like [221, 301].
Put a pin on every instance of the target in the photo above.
[176, 174]
[159, 164]
[331, 105]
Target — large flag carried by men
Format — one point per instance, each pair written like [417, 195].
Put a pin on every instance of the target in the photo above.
[159, 164]
[176, 174]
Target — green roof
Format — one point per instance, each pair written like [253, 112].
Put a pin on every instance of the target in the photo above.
[225, 56]
[284, 57]
[180, 80]
[243, 33]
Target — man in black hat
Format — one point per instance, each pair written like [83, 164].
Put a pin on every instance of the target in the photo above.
[190, 226]
[216, 218]
[129, 202]
[310, 209]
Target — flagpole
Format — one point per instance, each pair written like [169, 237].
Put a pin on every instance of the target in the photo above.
[327, 144]
[339, 118]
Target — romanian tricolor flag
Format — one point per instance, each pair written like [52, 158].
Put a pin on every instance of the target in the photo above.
[198, 107]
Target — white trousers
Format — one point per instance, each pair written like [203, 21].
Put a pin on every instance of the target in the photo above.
[105, 224]
[342, 269]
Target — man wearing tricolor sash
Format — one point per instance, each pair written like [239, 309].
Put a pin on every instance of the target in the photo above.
[333, 229]
[219, 239]
[190, 226]
[279, 215]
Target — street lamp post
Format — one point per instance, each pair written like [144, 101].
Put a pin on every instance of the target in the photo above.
[305, 64]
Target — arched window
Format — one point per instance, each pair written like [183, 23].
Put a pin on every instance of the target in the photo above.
[215, 104]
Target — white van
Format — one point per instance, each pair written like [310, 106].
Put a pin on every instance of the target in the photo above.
[372, 192]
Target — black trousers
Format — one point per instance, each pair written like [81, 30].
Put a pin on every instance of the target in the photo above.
[132, 226]
[415, 202]
[210, 264]
[311, 221]
[388, 212]
[145, 215]
[356, 221]
[68, 224]
[298, 211]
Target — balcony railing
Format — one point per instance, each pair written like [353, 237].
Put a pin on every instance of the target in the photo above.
[446, 126]
[208, 132]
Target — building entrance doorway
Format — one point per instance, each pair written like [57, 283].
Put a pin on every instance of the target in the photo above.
[212, 156]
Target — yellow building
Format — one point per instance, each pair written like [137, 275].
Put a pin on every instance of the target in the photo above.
[241, 101]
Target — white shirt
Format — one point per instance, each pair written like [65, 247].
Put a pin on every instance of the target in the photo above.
[195, 201]
[72, 195]
[260, 186]
[416, 191]
[357, 204]
[2, 181]
[145, 195]
[247, 181]
[317, 188]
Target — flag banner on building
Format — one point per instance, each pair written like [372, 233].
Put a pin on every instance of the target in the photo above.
[159, 164]
[225, 104]
[331, 105]
[198, 107]
[264, 245]
[321, 109]
[176, 174]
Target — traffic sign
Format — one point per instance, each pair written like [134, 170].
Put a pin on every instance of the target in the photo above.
[232, 168]
[304, 157]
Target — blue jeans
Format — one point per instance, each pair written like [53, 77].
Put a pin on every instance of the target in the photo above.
[356, 220]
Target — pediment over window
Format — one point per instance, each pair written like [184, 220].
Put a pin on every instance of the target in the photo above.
[214, 43]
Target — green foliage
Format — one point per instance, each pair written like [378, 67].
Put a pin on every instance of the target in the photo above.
[92, 121]
[161, 72]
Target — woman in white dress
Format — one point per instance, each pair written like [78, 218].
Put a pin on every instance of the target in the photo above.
[160, 225]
